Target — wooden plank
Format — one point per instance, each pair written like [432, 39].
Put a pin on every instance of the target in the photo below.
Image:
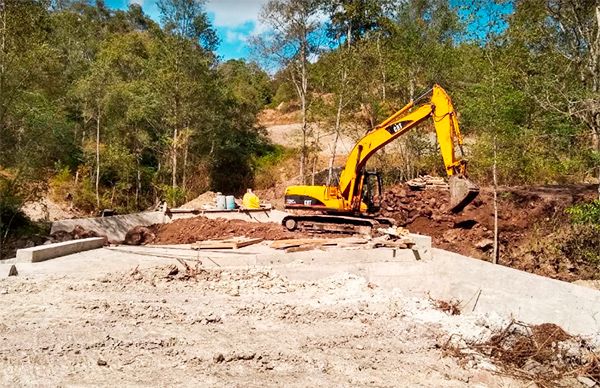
[213, 244]
[246, 242]
[303, 248]
[232, 243]
[296, 242]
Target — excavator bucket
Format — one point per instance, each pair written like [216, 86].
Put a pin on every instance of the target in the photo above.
[462, 192]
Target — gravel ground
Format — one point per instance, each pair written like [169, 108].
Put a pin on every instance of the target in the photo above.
[161, 326]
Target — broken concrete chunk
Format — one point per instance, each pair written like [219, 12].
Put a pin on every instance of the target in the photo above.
[7, 270]
[485, 244]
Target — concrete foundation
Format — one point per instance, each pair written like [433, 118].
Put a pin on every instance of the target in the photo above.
[50, 251]
[479, 286]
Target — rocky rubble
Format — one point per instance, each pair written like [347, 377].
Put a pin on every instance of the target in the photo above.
[522, 212]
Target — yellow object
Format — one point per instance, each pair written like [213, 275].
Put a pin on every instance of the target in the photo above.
[357, 189]
[251, 201]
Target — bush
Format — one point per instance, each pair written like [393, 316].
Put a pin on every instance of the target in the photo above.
[10, 204]
[173, 195]
[276, 164]
[585, 213]
[583, 244]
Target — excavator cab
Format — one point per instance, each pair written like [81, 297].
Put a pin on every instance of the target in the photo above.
[371, 192]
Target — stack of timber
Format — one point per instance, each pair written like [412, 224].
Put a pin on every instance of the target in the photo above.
[428, 182]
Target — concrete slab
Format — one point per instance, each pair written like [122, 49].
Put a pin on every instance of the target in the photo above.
[480, 286]
[50, 251]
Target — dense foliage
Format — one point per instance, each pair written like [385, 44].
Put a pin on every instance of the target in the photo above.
[114, 110]
[524, 76]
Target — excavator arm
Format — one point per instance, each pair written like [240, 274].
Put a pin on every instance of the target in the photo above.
[441, 111]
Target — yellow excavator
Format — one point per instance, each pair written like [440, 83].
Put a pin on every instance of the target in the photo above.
[352, 203]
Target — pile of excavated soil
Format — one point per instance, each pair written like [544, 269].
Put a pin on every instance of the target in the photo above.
[190, 230]
[522, 213]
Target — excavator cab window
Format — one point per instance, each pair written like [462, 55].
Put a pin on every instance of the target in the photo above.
[371, 195]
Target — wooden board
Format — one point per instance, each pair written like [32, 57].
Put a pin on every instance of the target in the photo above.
[232, 243]
[296, 242]
[303, 248]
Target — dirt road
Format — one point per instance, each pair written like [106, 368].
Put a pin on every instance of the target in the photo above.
[158, 326]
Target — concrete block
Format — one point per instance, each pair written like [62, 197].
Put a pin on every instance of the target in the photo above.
[50, 251]
[422, 246]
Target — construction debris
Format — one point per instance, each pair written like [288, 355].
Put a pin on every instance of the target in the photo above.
[543, 354]
[428, 182]
[396, 231]
[299, 245]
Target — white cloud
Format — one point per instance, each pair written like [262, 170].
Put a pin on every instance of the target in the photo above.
[233, 13]
[232, 36]
[138, 2]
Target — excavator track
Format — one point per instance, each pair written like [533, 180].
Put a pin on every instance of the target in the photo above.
[330, 223]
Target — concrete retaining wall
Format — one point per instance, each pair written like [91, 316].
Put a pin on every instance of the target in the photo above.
[114, 227]
[50, 251]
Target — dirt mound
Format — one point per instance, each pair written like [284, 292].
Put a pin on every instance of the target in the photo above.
[207, 198]
[190, 230]
[77, 233]
[522, 213]
[139, 235]
[46, 209]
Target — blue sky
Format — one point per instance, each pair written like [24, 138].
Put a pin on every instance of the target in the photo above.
[234, 21]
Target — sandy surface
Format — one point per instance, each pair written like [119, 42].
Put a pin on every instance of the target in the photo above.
[226, 327]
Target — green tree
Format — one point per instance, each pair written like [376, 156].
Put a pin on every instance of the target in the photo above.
[290, 42]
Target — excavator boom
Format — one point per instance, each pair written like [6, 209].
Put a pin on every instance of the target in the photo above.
[441, 111]
[351, 197]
